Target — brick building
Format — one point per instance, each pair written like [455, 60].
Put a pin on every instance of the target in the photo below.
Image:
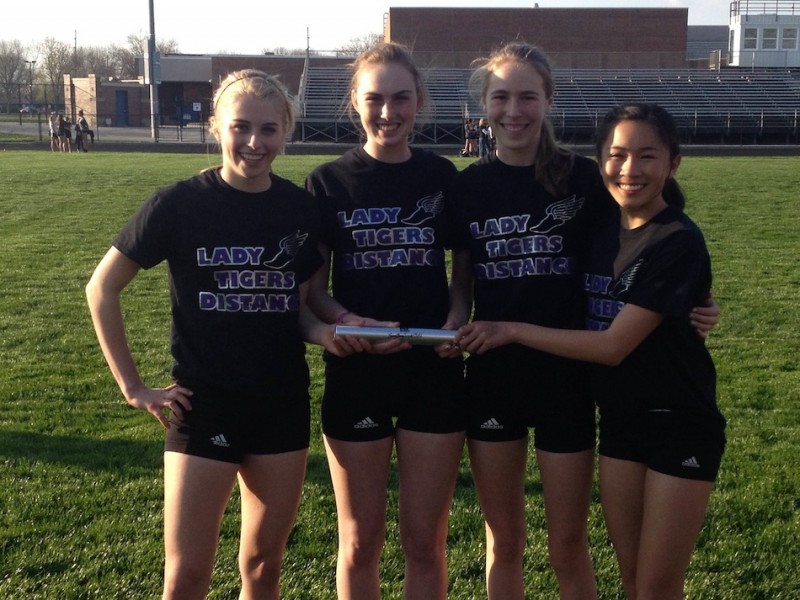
[578, 38]
[600, 56]
[440, 38]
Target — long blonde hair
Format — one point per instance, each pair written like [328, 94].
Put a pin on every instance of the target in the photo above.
[258, 84]
[553, 162]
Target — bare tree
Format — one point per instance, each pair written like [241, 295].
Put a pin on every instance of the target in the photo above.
[124, 60]
[92, 60]
[12, 71]
[359, 44]
[56, 58]
[137, 44]
[284, 51]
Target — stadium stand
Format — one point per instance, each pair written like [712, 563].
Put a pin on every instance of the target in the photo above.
[729, 106]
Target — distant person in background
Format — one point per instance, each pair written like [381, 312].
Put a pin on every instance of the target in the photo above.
[484, 138]
[64, 134]
[470, 138]
[55, 144]
[79, 141]
[83, 125]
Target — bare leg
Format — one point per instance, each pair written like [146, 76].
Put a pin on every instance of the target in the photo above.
[499, 472]
[271, 486]
[655, 542]
[196, 491]
[428, 465]
[675, 509]
[567, 483]
[622, 498]
[360, 474]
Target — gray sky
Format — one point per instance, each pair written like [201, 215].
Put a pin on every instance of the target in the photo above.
[250, 26]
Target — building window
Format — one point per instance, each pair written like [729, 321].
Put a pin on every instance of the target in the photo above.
[750, 38]
[769, 41]
[789, 39]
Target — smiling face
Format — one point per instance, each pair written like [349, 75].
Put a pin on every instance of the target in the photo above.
[516, 104]
[387, 101]
[635, 164]
[251, 132]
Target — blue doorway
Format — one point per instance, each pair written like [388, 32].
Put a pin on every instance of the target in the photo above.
[122, 108]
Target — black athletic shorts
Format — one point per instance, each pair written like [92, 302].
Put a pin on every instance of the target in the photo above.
[366, 396]
[226, 425]
[677, 443]
[510, 390]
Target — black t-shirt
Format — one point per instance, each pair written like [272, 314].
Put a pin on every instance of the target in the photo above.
[235, 261]
[385, 225]
[662, 266]
[525, 243]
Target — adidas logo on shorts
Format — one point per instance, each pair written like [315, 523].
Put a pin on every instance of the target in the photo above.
[691, 462]
[219, 440]
[367, 423]
[492, 424]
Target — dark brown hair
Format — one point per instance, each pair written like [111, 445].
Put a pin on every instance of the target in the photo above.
[665, 128]
[553, 163]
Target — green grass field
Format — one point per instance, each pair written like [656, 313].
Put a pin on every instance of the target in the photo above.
[80, 484]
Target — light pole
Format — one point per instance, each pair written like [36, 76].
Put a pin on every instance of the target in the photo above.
[30, 80]
[151, 51]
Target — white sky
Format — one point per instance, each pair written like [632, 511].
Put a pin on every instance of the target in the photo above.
[252, 26]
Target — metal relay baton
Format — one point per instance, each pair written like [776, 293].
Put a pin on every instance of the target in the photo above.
[414, 335]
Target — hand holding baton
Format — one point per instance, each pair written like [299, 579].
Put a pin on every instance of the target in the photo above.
[413, 335]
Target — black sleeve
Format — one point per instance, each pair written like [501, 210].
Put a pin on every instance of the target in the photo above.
[146, 238]
[675, 276]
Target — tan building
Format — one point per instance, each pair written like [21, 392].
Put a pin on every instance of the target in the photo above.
[107, 103]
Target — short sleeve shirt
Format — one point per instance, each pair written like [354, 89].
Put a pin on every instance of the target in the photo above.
[525, 243]
[662, 266]
[386, 227]
[235, 262]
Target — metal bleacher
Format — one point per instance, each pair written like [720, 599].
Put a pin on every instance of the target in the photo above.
[729, 105]
[324, 115]
[726, 105]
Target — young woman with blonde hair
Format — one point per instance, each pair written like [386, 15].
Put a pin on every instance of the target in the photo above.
[240, 245]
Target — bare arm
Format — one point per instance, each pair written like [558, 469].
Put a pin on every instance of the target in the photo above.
[103, 291]
[324, 306]
[460, 290]
[328, 310]
[610, 347]
[316, 331]
[460, 300]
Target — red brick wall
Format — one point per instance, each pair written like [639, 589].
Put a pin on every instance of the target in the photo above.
[572, 37]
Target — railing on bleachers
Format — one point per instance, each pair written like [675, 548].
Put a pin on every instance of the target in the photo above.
[727, 105]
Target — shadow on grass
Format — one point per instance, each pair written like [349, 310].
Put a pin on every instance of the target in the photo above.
[107, 455]
[88, 453]
[317, 470]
